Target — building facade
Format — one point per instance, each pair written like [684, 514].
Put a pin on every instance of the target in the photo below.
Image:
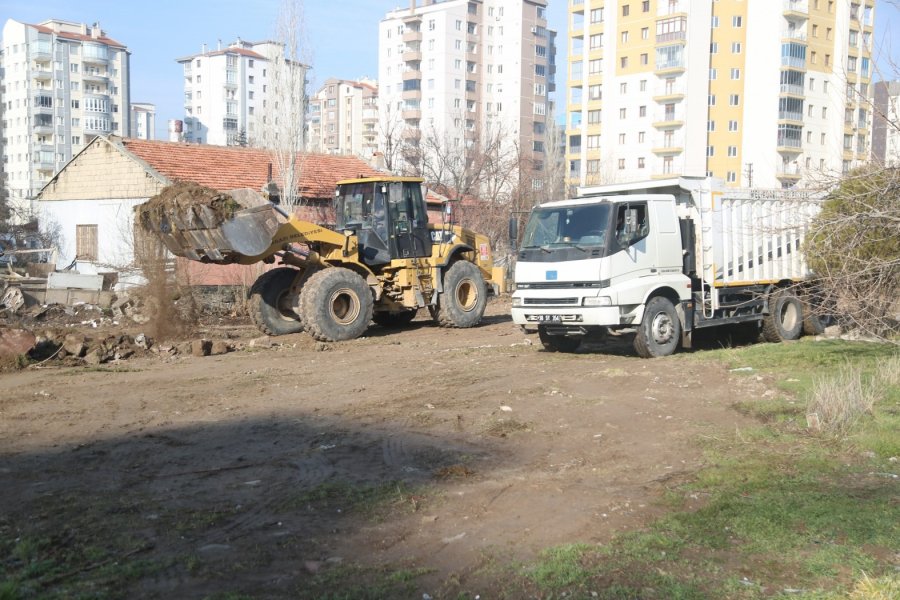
[143, 120]
[63, 85]
[763, 94]
[229, 93]
[343, 118]
[886, 123]
[463, 72]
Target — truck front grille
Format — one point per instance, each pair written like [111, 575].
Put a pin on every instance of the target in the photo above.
[552, 301]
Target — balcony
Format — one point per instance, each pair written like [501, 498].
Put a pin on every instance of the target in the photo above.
[789, 115]
[412, 74]
[790, 171]
[668, 150]
[412, 55]
[412, 36]
[42, 74]
[672, 36]
[188, 72]
[794, 62]
[669, 121]
[799, 8]
[671, 7]
[789, 145]
[794, 35]
[673, 95]
[792, 89]
[41, 51]
[670, 67]
[95, 76]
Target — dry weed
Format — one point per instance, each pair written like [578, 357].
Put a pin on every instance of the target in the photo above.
[839, 401]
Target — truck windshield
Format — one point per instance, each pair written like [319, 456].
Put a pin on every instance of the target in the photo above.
[579, 226]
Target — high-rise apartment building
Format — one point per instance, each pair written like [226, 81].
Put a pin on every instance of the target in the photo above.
[464, 70]
[227, 92]
[63, 84]
[143, 121]
[770, 94]
[886, 123]
[343, 118]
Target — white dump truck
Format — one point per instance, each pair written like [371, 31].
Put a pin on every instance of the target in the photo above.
[665, 258]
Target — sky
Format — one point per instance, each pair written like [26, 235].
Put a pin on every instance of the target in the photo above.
[341, 36]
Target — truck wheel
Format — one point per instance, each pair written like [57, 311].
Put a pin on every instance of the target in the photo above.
[660, 329]
[462, 302]
[336, 305]
[272, 303]
[558, 343]
[785, 318]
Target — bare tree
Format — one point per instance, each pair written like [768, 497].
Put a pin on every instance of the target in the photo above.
[284, 116]
[392, 130]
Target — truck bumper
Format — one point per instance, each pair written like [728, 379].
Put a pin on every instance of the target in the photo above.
[604, 316]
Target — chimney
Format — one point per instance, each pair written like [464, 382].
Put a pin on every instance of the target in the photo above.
[202, 48]
[96, 32]
[219, 44]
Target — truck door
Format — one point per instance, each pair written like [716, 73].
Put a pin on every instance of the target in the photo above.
[633, 250]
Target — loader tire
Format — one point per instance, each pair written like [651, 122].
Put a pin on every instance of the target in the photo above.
[785, 318]
[660, 331]
[271, 303]
[336, 305]
[394, 320]
[464, 298]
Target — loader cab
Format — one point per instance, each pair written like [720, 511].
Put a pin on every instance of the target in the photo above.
[388, 217]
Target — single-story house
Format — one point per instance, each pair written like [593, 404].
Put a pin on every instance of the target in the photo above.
[89, 204]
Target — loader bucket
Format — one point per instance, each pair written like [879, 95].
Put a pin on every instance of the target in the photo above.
[203, 225]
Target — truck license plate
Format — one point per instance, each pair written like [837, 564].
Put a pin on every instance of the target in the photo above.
[545, 318]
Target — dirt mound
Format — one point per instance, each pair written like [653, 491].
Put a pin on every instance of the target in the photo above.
[190, 202]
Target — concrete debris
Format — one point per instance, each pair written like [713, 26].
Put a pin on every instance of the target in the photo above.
[12, 300]
[201, 347]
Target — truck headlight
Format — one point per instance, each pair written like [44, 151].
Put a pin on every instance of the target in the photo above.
[516, 301]
[598, 301]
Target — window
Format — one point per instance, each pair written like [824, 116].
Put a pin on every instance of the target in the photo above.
[593, 142]
[713, 73]
[642, 111]
[596, 15]
[644, 59]
[622, 161]
[731, 177]
[710, 151]
[593, 117]
[734, 100]
[640, 162]
[824, 112]
[815, 31]
[595, 66]
[732, 151]
[623, 88]
[645, 6]
[622, 113]
[735, 73]
[645, 33]
[641, 136]
[595, 92]
[714, 48]
[624, 62]
[596, 41]
[712, 99]
[710, 125]
[86, 242]
[715, 21]
[737, 21]
[625, 10]
[643, 85]
[624, 37]
[735, 47]
[621, 138]
[732, 125]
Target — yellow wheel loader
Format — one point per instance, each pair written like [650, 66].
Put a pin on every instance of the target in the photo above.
[382, 261]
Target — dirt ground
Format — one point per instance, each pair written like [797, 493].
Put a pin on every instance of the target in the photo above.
[228, 473]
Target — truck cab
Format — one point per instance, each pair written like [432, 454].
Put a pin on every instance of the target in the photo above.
[586, 265]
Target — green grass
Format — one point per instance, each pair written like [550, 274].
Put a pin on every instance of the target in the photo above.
[786, 512]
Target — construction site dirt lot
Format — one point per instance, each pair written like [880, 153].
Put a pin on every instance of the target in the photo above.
[445, 453]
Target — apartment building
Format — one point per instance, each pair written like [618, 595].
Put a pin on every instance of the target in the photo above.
[461, 72]
[886, 123]
[343, 118]
[63, 84]
[764, 94]
[143, 120]
[229, 93]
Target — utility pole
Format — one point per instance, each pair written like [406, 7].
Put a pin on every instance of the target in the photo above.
[748, 173]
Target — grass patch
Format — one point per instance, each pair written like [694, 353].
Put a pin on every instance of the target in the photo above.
[785, 513]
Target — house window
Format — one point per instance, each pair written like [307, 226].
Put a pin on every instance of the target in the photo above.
[86, 242]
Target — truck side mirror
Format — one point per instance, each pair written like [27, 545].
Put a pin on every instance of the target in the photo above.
[513, 231]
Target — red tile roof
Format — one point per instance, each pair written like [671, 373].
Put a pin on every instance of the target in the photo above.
[79, 36]
[226, 168]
